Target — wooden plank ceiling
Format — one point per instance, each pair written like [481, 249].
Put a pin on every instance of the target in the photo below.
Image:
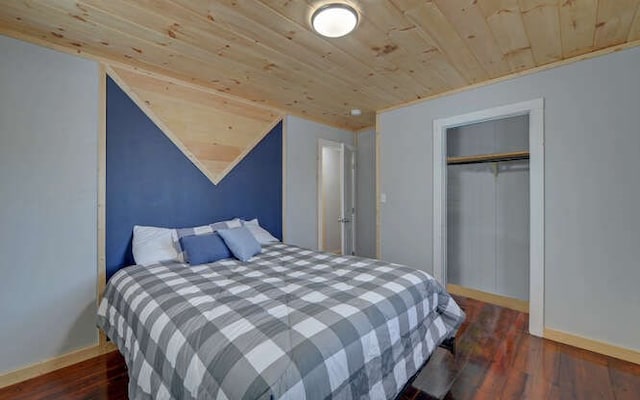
[265, 51]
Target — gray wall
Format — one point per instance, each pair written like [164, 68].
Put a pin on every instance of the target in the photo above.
[592, 190]
[301, 186]
[48, 185]
[366, 194]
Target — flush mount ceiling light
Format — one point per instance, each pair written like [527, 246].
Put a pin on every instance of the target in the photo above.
[334, 20]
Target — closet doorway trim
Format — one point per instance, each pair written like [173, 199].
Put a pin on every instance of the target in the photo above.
[535, 110]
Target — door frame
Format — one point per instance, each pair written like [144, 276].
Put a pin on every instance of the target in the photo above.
[322, 143]
[352, 194]
[535, 110]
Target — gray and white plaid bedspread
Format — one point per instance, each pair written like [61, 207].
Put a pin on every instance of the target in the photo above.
[289, 324]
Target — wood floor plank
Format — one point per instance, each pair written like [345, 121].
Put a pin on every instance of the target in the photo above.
[624, 379]
[495, 359]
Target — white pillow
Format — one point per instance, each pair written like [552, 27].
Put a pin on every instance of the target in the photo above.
[151, 245]
[262, 235]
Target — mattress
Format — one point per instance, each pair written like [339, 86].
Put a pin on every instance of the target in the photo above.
[290, 323]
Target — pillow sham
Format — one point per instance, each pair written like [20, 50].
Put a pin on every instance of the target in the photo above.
[262, 235]
[234, 223]
[241, 242]
[205, 248]
[151, 245]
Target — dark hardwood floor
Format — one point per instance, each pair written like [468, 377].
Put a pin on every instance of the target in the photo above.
[495, 359]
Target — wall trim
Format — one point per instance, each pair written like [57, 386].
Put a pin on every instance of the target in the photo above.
[378, 183]
[102, 190]
[595, 346]
[491, 298]
[559, 63]
[285, 122]
[55, 363]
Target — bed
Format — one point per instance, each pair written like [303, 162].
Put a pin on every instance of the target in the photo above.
[290, 323]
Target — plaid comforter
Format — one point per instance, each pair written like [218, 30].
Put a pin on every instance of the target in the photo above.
[289, 324]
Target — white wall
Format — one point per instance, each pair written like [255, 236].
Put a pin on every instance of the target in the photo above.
[48, 186]
[301, 187]
[592, 190]
[366, 194]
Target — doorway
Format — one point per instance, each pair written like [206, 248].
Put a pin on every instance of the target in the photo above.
[534, 111]
[488, 211]
[336, 197]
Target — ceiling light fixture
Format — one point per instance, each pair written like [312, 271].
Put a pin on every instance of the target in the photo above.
[334, 20]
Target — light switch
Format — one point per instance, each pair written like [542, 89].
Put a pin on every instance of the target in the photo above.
[383, 197]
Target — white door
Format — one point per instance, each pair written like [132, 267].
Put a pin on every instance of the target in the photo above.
[348, 185]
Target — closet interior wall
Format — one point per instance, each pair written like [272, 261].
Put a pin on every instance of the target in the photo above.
[488, 209]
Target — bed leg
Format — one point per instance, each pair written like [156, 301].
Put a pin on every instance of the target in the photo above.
[449, 344]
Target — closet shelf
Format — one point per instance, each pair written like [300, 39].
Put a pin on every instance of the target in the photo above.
[484, 158]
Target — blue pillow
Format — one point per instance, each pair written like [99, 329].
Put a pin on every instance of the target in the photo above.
[241, 242]
[202, 249]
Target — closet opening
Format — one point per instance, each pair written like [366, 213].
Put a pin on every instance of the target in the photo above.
[488, 211]
[489, 207]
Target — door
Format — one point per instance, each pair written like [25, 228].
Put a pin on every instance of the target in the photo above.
[348, 212]
[336, 197]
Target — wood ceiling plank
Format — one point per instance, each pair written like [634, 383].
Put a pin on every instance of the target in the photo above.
[240, 48]
[43, 37]
[359, 46]
[202, 98]
[433, 66]
[358, 97]
[165, 60]
[471, 25]
[214, 152]
[90, 40]
[381, 46]
[413, 44]
[276, 17]
[233, 51]
[293, 42]
[433, 24]
[196, 124]
[265, 52]
[577, 26]
[506, 23]
[613, 22]
[542, 23]
[112, 43]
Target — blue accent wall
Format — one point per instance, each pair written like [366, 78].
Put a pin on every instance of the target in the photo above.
[151, 182]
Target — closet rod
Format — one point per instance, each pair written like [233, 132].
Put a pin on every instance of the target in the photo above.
[486, 158]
